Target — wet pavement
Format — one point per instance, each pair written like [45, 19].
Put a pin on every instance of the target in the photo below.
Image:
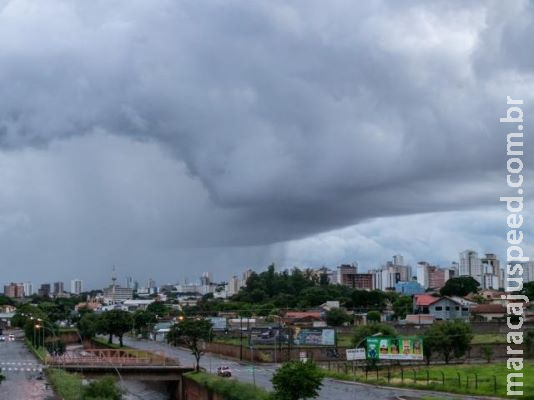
[261, 374]
[22, 371]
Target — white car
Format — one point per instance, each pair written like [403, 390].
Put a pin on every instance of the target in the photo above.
[224, 371]
[11, 337]
[2, 338]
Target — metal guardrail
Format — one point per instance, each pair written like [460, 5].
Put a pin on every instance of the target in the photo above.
[111, 357]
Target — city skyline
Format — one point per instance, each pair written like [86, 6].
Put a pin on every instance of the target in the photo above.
[128, 281]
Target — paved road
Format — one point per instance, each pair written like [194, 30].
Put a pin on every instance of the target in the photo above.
[262, 374]
[21, 369]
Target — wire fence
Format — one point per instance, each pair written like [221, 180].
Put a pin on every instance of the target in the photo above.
[434, 378]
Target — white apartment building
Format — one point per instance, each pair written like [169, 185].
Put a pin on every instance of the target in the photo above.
[76, 286]
[234, 284]
[470, 265]
[422, 273]
[28, 289]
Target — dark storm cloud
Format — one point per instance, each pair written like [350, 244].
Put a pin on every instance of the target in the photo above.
[295, 117]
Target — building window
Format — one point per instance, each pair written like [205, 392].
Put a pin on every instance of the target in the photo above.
[457, 308]
[439, 308]
[447, 308]
[465, 309]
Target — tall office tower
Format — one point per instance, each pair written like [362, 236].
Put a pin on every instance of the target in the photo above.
[245, 277]
[129, 282]
[58, 287]
[28, 289]
[470, 265]
[398, 259]
[233, 286]
[44, 290]
[491, 268]
[528, 271]
[76, 286]
[206, 279]
[422, 273]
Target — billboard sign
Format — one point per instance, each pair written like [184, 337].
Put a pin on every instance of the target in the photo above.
[314, 337]
[395, 348]
[218, 323]
[267, 335]
[355, 354]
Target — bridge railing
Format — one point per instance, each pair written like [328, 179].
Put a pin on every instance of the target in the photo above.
[112, 357]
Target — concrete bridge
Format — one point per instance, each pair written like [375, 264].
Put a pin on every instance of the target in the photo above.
[127, 364]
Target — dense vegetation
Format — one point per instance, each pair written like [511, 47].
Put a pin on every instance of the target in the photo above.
[69, 387]
[228, 388]
[270, 293]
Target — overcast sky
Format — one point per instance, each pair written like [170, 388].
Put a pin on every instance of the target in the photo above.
[172, 137]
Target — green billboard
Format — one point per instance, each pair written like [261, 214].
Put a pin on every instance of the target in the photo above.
[395, 348]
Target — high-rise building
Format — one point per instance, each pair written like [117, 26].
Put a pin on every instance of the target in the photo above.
[14, 290]
[422, 273]
[206, 279]
[233, 286]
[528, 271]
[436, 277]
[246, 275]
[44, 290]
[76, 286]
[58, 287]
[491, 270]
[470, 265]
[398, 259]
[347, 275]
[28, 289]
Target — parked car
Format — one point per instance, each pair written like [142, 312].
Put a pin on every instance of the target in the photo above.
[2, 338]
[11, 337]
[224, 371]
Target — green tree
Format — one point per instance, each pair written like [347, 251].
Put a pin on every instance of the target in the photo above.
[55, 347]
[373, 316]
[116, 323]
[337, 317]
[193, 333]
[143, 320]
[460, 286]
[402, 306]
[102, 389]
[364, 331]
[528, 290]
[448, 338]
[90, 324]
[158, 308]
[297, 380]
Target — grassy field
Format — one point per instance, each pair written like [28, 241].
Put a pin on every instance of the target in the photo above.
[489, 338]
[68, 386]
[481, 379]
[39, 352]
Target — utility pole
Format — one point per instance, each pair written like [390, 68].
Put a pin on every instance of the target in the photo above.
[241, 337]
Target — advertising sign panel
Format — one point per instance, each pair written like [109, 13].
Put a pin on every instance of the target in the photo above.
[395, 348]
[267, 335]
[218, 323]
[355, 354]
[314, 337]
